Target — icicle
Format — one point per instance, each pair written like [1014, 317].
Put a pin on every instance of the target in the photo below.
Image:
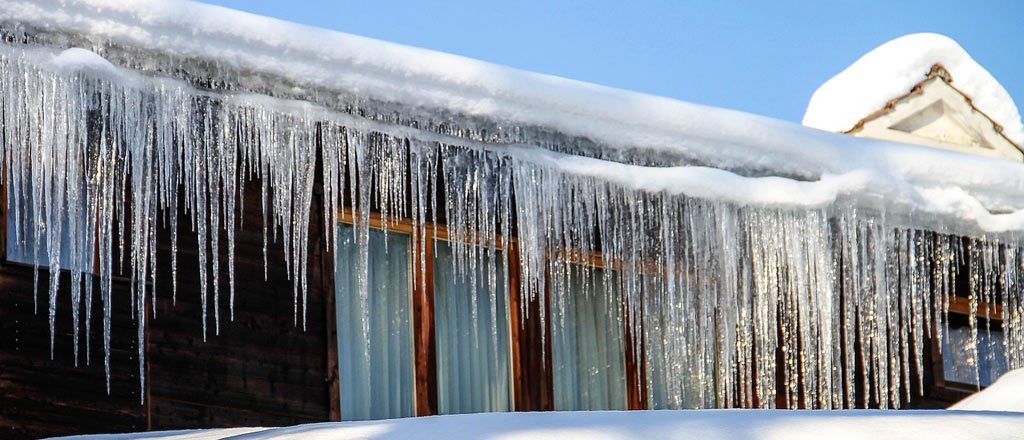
[844, 296]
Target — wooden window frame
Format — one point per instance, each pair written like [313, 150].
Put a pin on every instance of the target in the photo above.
[531, 370]
[530, 375]
[424, 338]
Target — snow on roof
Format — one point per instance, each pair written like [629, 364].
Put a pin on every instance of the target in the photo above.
[1006, 394]
[892, 70]
[659, 424]
[982, 193]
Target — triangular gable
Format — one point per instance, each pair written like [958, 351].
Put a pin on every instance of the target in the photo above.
[937, 114]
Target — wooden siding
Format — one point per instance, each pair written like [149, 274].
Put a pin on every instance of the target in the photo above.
[40, 396]
[261, 370]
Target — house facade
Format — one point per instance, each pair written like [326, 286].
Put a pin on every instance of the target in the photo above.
[195, 237]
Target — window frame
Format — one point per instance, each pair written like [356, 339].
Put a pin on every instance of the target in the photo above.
[424, 337]
[531, 379]
[960, 306]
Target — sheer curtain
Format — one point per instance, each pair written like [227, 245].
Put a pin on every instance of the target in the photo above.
[471, 323]
[375, 357]
[675, 371]
[587, 342]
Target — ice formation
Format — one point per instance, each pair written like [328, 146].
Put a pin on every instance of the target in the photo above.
[735, 240]
[892, 70]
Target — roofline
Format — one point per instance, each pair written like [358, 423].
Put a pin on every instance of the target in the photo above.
[938, 71]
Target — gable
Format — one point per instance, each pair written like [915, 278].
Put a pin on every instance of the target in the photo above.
[936, 114]
[941, 122]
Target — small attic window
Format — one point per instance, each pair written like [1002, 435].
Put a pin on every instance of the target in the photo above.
[939, 122]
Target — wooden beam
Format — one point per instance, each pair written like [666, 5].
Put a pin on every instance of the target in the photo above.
[423, 325]
[962, 306]
[328, 287]
[636, 376]
[517, 322]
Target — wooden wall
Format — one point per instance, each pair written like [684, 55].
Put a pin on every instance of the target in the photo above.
[40, 396]
[261, 370]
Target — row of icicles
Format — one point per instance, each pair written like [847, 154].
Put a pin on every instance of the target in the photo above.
[714, 291]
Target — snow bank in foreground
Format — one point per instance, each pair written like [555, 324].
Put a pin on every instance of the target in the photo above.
[1006, 394]
[620, 425]
[892, 69]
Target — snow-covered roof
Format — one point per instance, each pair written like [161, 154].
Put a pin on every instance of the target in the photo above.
[788, 161]
[893, 69]
[624, 425]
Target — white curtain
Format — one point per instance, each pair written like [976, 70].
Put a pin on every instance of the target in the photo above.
[676, 370]
[587, 341]
[375, 356]
[471, 323]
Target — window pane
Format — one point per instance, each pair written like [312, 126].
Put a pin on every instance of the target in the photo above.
[675, 372]
[375, 357]
[471, 323]
[958, 361]
[587, 343]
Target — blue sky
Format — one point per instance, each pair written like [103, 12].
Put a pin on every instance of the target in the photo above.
[762, 57]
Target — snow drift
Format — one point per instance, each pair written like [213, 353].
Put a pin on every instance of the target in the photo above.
[628, 425]
[1005, 394]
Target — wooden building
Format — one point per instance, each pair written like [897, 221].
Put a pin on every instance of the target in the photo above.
[430, 283]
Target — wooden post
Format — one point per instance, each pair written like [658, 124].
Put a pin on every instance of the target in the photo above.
[424, 339]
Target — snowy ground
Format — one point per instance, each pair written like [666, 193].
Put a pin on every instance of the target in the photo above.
[995, 413]
[608, 425]
[1006, 394]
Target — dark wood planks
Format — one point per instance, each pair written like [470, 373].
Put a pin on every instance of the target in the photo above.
[40, 396]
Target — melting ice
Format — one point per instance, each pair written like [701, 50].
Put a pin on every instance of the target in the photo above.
[835, 298]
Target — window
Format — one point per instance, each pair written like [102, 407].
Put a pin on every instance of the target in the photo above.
[375, 348]
[588, 344]
[28, 231]
[961, 364]
[673, 370]
[472, 331]
[452, 334]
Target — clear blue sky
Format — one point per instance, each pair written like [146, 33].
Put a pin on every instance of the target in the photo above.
[764, 57]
